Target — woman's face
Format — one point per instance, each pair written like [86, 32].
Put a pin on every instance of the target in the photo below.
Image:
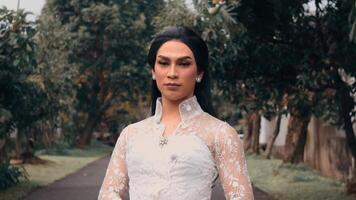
[175, 70]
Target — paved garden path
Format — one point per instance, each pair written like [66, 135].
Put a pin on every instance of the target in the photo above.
[85, 184]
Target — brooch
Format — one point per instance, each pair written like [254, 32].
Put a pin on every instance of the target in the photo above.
[162, 141]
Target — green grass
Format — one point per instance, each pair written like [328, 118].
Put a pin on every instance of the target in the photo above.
[293, 182]
[58, 166]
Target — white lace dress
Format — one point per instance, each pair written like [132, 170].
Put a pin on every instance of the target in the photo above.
[201, 149]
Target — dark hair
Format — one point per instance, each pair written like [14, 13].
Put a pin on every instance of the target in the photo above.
[201, 55]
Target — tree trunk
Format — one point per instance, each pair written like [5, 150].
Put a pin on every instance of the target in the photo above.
[296, 139]
[24, 148]
[274, 137]
[256, 134]
[46, 135]
[347, 104]
[18, 144]
[351, 182]
[28, 144]
[347, 107]
[4, 149]
[247, 141]
[100, 101]
[87, 132]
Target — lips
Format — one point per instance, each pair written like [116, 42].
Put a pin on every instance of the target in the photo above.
[172, 86]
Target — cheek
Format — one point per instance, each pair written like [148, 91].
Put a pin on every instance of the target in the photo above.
[160, 76]
[189, 75]
[159, 73]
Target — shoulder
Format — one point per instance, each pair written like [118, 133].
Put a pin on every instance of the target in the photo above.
[138, 126]
[220, 130]
[217, 124]
[215, 128]
[223, 136]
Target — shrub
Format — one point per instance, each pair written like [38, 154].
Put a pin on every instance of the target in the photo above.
[10, 175]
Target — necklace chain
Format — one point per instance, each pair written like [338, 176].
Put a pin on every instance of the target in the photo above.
[163, 140]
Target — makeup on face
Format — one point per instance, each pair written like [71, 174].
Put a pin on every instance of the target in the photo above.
[175, 70]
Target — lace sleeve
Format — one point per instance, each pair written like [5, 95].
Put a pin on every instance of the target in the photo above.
[115, 184]
[231, 164]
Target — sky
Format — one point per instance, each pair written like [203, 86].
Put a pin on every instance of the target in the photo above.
[33, 6]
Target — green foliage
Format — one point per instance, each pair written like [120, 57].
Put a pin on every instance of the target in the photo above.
[280, 48]
[5, 117]
[58, 75]
[10, 175]
[175, 13]
[92, 58]
[279, 54]
[19, 95]
[23, 100]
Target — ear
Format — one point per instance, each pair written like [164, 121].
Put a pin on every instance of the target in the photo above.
[153, 74]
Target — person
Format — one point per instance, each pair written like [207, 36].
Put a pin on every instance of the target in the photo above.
[180, 151]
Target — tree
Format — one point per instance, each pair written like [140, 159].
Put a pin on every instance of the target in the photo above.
[280, 53]
[352, 22]
[22, 99]
[57, 74]
[312, 49]
[109, 57]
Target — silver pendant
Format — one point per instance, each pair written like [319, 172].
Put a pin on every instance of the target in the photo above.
[162, 141]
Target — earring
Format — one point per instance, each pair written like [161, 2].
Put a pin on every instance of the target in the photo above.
[153, 77]
[198, 79]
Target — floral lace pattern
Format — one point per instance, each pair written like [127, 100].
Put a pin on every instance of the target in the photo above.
[201, 149]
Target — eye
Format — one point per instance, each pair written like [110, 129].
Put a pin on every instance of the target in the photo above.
[184, 64]
[162, 62]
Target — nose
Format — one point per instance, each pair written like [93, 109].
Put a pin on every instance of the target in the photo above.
[172, 73]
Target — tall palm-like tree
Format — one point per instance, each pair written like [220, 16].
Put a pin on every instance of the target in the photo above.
[352, 21]
[18, 4]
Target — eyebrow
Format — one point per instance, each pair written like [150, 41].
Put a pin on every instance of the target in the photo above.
[182, 58]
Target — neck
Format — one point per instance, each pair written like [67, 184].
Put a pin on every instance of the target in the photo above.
[170, 109]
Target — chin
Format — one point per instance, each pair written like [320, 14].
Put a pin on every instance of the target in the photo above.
[175, 97]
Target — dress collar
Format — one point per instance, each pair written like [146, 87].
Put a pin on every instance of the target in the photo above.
[188, 109]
